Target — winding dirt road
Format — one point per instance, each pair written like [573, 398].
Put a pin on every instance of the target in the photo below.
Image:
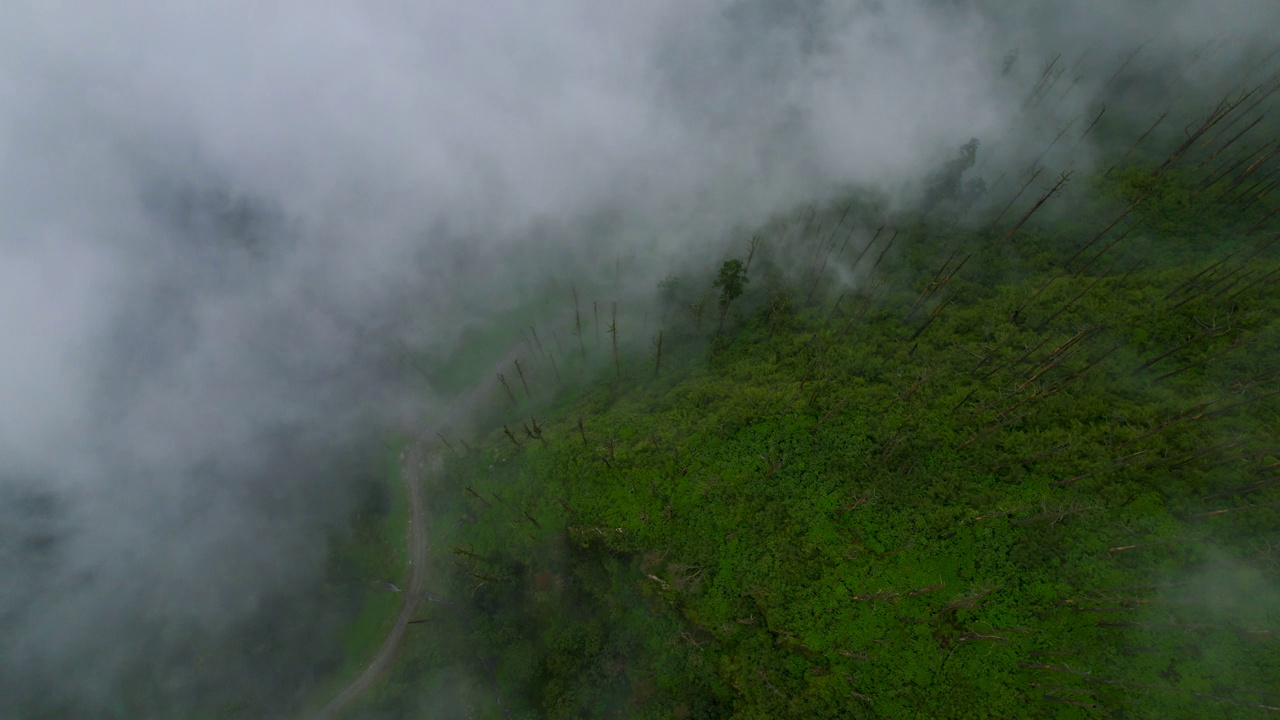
[413, 470]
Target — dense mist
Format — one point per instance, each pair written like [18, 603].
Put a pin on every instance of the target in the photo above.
[222, 219]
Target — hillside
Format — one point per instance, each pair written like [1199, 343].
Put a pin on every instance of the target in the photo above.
[944, 484]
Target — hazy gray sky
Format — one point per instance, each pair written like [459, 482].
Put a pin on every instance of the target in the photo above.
[211, 214]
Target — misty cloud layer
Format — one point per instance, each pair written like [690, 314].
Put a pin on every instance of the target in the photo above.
[218, 215]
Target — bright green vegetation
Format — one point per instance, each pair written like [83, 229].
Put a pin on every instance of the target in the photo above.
[1016, 481]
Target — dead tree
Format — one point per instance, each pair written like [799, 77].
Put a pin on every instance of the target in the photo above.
[1214, 280]
[1243, 489]
[965, 603]
[1268, 277]
[1137, 201]
[1230, 165]
[1014, 199]
[472, 492]
[904, 548]
[813, 213]
[1228, 408]
[1028, 460]
[577, 324]
[1262, 98]
[1121, 462]
[1272, 182]
[817, 276]
[534, 432]
[867, 247]
[1258, 225]
[407, 356]
[1062, 351]
[1137, 142]
[613, 333]
[1123, 64]
[930, 287]
[523, 382]
[932, 316]
[1056, 516]
[1235, 343]
[1231, 194]
[510, 395]
[445, 441]
[481, 580]
[1098, 255]
[529, 516]
[510, 436]
[1191, 414]
[1062, 180]
[1070, 303]
[751, 251]
[1223, 109]
[1226, 510]
[657, 357]
[1213, 155]
[1102, 111]
[862, 309]
[469, 553]
[895, 438]
[1244, 196]
[1249, 155]
[1005, 423]
[697, 308]
[1036, 161]
[1048, 77]
[963, 400]
[908, 392]
[1191, 280]
[884, 252]
[831, 313]
[1208, 333]
[555, 367]
[817, 248]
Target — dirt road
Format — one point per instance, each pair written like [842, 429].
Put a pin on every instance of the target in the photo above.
[413, 468]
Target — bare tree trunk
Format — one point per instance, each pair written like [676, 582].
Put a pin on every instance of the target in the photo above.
[657, 358]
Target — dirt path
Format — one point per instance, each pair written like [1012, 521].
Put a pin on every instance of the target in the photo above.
[413, 469]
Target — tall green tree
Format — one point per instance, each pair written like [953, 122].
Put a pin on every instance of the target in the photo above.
[732, 278]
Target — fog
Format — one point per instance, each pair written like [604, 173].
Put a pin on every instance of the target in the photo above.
[219, 218]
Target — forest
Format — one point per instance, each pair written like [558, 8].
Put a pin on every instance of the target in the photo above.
[1011, 453]
[746, 359]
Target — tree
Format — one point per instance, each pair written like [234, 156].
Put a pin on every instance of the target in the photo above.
[730, 281]
[948, 184]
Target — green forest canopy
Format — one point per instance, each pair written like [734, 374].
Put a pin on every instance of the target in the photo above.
[983, 489]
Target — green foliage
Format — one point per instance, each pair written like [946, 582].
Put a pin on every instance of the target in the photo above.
[842, 517]
[730, 281]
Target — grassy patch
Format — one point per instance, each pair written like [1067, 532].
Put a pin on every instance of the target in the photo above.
[373, 552]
